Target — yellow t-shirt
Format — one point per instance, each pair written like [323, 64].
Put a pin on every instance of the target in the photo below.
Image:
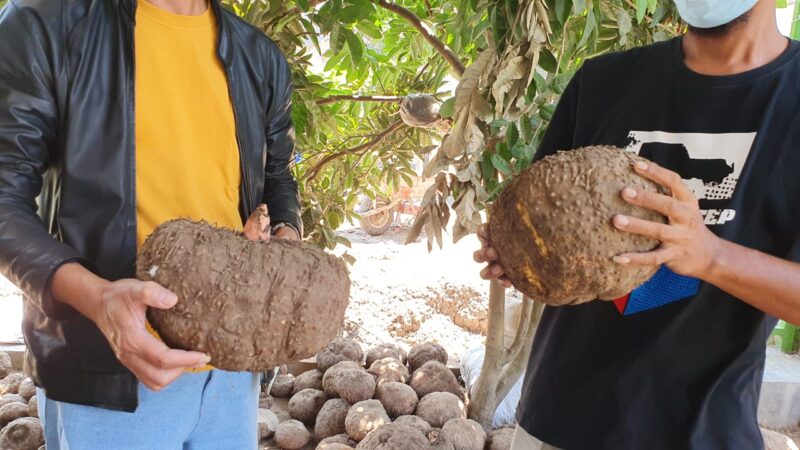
[187, 157]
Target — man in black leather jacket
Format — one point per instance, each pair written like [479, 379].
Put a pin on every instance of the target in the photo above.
[68, 204]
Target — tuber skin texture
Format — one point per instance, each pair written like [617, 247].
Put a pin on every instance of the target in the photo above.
[10, 384]
[11, 412]
[464, 434]
[27, 389]
[282, 385]
[339, 439]
[335, 446]
[249, 305]
[5, 364]
[438, 408]
[330, 420]
[10, 398]
[389, 369]
[386, 351]
[267, 423]
[292, 435]
[397, 398]
[349, 381]
[33, 407]
[422, 353]
[310, 379]
[438, 441]
[434, 376]
[25, 433]
[414, 421]
[551, 227]
[394, 436]
[340, 349]
[305, 405]
[364, 417]
[500, 439]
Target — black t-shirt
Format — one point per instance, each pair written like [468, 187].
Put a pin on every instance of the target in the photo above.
[678, 363]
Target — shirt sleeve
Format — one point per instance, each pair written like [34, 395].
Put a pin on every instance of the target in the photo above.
[561, 131]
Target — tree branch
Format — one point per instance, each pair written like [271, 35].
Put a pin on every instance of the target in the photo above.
[361, 98]
[513, 370]
[314, 171]
[440, 47]
[522, 327]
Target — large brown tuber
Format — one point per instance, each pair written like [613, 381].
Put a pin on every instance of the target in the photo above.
[10, 398]
[305, 405]
[397, 398]
[310, 379]
[464, 434]
[422, 353]
[552, 227]
[11, 412]
[434, 376]
[25, 433]
[414, 421]
[364, 417]
[33, 407]
[11, 383]
[27, 389]
[5, 364]
[389, 369]
[267, 423]
[394, 436]
[282, 385]
[330, 420]
[292, 435]
[386, 351]
[438, 441]
[250, 305]
[349, 381]
[338, 350]
[330, 443]
[440, 407]
[500, 439]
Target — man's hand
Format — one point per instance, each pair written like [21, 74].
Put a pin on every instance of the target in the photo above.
[120, 315]
[487, 254]
[687, 247]
[257, 226]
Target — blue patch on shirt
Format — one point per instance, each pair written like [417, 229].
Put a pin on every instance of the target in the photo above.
[664, 288]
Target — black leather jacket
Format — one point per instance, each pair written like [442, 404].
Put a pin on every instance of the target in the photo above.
[67, 133]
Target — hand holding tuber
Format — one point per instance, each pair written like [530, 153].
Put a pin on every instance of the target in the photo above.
[487, 254]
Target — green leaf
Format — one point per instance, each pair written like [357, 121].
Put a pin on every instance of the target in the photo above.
[355, 45]
[563, 8]
[547, 111]
[354, 13]
[512, 135]
[303, 4]
[523, 154]
[547, 61]
[501, 164]
[641, 9]
[370, 29]
[446, 110]
[335, 60]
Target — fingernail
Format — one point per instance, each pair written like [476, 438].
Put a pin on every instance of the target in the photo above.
[629, 193]
[622, 221]
[206, 359]
[622, 260]
[641, 165]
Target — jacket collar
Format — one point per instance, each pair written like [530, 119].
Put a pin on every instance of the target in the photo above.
[223, 24]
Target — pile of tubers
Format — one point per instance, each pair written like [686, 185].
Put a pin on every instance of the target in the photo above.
[20, 428]
[397, 401]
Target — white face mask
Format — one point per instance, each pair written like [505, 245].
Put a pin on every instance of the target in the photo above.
[712, 13]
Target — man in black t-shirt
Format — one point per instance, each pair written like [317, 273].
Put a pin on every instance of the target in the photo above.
[678, 363]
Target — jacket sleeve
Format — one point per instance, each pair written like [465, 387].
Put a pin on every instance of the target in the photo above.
[280, 187]
[29, 255]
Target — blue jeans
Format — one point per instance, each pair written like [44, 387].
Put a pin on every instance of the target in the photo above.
[207, 410]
